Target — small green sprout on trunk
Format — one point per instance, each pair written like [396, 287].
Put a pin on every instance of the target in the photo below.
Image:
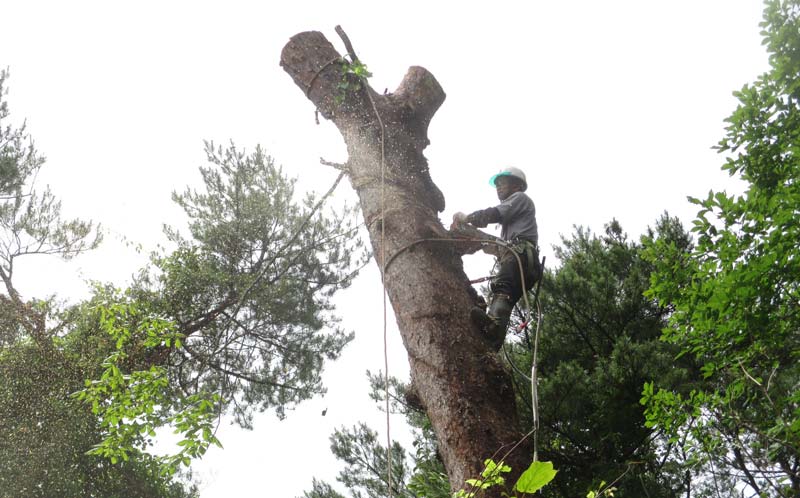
[354, 75]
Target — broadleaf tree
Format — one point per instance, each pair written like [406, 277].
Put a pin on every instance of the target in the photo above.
[45, 433]
[599, 342]
[735, 296]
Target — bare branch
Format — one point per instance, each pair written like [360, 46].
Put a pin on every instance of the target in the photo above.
[339, 166]
[347, 45]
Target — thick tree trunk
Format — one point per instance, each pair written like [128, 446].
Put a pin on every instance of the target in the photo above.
[461, 383]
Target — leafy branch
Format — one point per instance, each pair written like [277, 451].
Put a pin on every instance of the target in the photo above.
[532, 480]
[131, 406]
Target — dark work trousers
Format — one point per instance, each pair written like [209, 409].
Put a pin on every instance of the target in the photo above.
[507, 280]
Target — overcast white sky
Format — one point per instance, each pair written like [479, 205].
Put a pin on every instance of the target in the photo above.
[611, 108]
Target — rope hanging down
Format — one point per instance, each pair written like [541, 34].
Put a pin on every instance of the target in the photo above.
[385, 265]
[383, 279]
[527, 320]
[354, 58]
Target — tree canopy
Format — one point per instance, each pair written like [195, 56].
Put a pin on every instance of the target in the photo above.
[734, 297]
[599, 342]
[45, 433]
[237, 318]
[668, 365]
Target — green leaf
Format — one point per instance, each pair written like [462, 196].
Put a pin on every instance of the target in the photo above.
[536, 477]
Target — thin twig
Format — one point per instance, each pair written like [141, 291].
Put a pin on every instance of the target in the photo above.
[339, 166]
[748, 374]
[347, 44]
[771, 375]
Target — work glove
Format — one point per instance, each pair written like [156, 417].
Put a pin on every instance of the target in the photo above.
[458, 220]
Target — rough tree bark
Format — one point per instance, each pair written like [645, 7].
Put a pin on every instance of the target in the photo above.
[461, 383]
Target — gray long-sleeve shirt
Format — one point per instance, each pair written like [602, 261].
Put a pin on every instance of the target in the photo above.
[518, 218]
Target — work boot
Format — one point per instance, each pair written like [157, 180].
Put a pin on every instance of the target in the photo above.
[494, 322]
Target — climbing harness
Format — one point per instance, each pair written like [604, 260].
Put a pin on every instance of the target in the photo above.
[513, 247]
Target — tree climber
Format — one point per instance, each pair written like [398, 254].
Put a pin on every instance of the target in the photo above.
[516, 214]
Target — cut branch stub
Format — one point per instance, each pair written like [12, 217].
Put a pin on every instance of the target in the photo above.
[315, 65]
[422, 93]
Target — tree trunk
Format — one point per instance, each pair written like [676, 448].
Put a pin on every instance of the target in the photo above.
[461, 383]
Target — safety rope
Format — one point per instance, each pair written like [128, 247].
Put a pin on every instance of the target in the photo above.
[316, 74]
[534, 372]
[354, 58]
[533, 378]
[383, 279]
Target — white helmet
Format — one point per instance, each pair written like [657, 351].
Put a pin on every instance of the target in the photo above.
[512, 172]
